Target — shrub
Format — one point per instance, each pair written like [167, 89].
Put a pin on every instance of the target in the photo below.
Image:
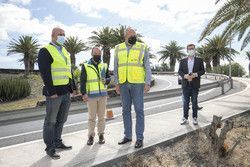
[13, 89]
[237, 70]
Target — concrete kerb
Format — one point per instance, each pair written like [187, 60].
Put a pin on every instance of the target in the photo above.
[119, 160]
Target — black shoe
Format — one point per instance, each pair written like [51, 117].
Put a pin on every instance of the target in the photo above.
[138, 144]
[101, 139]
[90, 141]
[199, 108]
[124, 141]
[63, 146]
[52, 154]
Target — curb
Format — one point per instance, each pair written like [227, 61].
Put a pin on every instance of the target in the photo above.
[119, 160]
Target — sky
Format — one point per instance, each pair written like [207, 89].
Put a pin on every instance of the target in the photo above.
[159, 21]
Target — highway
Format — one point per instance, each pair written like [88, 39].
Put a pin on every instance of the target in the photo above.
[32, 130]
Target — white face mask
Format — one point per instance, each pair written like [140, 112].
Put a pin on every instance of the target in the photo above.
[191, 52]
[60, 40]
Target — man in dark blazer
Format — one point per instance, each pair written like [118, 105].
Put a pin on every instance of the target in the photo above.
[191, 69]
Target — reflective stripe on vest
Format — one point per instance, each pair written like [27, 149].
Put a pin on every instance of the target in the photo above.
[94, 83]
[60, 69]
[130, 65]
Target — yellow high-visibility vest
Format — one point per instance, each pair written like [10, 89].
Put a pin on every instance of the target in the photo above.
[60, 69]
[130, 65]
[94, 84]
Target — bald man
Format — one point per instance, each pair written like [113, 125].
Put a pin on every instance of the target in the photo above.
[55, 68]
[94, 80]
[132, 75]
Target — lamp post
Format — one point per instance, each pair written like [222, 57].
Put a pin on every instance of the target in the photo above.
[230, 55]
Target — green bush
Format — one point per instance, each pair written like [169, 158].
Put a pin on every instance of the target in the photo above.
[237, 70]
[13, 89]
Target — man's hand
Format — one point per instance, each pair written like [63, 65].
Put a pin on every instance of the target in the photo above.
[103, 80]
[85, 98]
[117, 89]
[74, 93]
[188, 77]
[194, 75]
[146, 88]
[53, 96]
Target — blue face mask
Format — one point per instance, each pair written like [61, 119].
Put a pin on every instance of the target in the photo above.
[60, 40]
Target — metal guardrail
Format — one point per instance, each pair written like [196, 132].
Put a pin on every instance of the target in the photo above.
[16, 71]
[38, 113]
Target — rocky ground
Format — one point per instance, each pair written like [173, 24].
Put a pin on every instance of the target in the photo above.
[196, 150]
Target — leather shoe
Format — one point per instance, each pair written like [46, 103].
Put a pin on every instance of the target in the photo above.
[101, 139]
[63, 146]
[138, 144]
[199, 108]
[124, 141]
[52, 154]
[90, 141]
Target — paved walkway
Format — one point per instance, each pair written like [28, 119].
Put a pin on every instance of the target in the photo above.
[159, 127]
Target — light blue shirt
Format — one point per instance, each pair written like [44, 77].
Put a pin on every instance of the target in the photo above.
[190, 65]
[146, 65]
[59, 48]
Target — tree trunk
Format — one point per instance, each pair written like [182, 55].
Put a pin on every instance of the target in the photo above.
[172, 64]
[216, 61]
[32, 66]
[208, 67]
[106, 55]
[73, 59]
[27, 67]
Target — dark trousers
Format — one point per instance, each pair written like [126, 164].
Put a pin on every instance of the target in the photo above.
[190, 92]
[56, 115]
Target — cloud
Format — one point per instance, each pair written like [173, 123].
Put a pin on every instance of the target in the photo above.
[19, 20]
[22, 2]
[94, 15]
[3, 35]
[177, 16]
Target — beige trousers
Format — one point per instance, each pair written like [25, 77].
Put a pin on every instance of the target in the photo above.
[96, 107]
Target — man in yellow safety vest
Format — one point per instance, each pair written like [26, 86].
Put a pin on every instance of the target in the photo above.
[55, 68]
[132, 75]
[94, 81]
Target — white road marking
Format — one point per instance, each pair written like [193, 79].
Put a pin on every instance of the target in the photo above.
[36, 141]
[82, 122]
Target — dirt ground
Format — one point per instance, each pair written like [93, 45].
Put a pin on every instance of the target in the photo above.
[196, 150]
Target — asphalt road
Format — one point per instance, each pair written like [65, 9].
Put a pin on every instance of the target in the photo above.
[32, 130]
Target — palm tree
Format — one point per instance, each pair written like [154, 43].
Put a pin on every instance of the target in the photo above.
[202, 52]
[120, 32]
[248, 55]
[104, 38]
[151, 55]
[217, 48]
[172, 51]
[236, 14]
[73, 45]
[27, 46]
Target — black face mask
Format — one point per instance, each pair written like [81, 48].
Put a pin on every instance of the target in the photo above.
[132, 40]
[97, 58]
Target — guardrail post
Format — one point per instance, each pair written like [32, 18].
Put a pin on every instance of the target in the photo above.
[222, 88]
[231, 82]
